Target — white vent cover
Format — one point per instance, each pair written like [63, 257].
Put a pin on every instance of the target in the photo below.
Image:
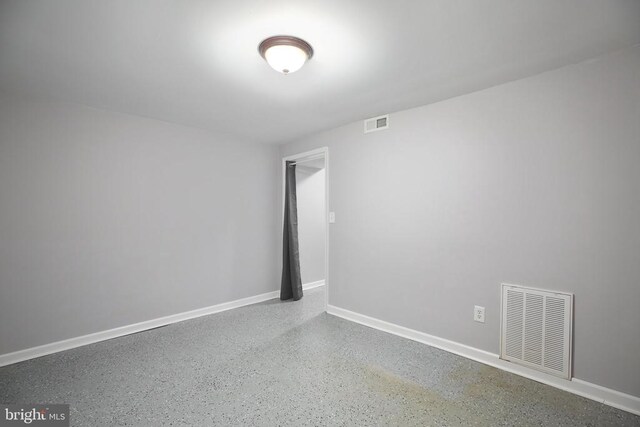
[536, 329]
[376, 123]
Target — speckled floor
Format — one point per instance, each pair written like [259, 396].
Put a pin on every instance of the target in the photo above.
[292, 364]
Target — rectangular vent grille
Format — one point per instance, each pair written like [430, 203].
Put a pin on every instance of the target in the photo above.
[376, 123]
[536, 329]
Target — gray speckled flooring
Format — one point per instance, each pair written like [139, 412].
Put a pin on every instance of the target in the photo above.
[292, 364]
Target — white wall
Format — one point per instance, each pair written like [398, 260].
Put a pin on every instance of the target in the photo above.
[311, 222]
[534, 182]
[108, 219]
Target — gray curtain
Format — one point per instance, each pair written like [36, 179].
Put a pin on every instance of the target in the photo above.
[291, 286]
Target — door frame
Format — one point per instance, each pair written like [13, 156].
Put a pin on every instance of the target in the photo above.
[299, 156]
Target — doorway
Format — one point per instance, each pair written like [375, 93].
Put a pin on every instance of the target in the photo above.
[312, 184]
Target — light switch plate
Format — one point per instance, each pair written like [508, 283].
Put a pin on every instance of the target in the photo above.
[332, 217]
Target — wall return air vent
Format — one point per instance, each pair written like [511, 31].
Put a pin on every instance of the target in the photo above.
[536, 329]
[376, 123]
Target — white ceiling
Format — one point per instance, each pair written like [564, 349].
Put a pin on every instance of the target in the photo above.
[195, 62]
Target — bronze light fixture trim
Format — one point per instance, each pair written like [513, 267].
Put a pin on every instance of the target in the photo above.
[285, 54]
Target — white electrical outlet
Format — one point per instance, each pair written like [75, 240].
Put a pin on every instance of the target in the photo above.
[478, 314]
[332, 217]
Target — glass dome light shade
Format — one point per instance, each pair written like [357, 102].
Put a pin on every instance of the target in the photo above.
[285, 59]
[285, 54]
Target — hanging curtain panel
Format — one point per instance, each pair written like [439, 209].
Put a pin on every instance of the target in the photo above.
[291, 286]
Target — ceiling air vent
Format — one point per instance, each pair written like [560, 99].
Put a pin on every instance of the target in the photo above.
[536, 329]
[376, 123]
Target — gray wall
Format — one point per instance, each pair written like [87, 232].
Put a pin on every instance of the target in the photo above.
[311, 222]
[108, 219]
[534, 182]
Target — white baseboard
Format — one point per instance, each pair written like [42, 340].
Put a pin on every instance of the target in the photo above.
[582, 388]
[43, 350]
[311, 285]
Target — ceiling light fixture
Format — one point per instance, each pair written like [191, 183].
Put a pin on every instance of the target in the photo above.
[286, 54]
